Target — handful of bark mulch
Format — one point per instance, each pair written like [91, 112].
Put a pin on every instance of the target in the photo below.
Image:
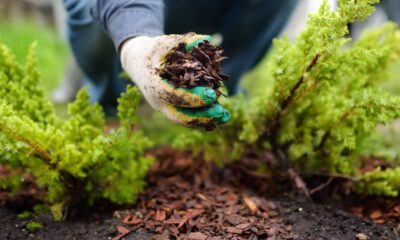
[198, 67]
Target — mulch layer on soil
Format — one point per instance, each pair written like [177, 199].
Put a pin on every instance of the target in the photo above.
[191, 199]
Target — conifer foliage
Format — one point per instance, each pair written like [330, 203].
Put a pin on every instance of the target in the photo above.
[320, 101]
[74, 160]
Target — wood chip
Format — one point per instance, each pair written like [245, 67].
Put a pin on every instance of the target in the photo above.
[160, 216]
[375, 215]
[130, 219]
[250, 204]
[234, 230]
[197, 236]
[122, 232]
[243, 225]
[361, 236]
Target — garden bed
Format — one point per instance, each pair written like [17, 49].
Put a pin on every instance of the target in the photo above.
[191, 199]
[297, 154]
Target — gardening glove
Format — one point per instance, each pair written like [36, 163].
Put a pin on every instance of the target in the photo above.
[142, 58]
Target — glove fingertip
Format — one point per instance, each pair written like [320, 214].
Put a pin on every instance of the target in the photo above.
[208, 95]
[224, 118]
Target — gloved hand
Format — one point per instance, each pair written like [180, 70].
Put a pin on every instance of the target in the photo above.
[142, 57]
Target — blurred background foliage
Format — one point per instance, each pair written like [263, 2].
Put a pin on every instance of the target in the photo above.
[52, 52]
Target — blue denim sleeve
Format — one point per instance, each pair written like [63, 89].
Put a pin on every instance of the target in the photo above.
[124, 19]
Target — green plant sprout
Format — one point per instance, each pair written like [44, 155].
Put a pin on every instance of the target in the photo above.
[34, 226]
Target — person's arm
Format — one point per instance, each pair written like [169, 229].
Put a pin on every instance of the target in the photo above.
[125, 19]
[136, 28]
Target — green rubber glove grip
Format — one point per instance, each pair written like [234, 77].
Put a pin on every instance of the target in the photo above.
[190, 46]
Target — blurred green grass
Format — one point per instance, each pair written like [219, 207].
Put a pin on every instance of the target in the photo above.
[52, 52]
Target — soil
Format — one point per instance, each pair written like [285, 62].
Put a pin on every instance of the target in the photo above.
[189, 198]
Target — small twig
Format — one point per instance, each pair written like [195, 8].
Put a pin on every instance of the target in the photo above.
[276, 121]
[288, 100]
[330, 175]
[43, 154]
[254, 173]
[300, 184]
[322, 186]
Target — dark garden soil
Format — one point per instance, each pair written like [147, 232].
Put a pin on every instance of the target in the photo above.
[191, 199]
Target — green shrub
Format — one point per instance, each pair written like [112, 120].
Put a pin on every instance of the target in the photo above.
[320, 102]
[381, 182]
[74, 160]
[24, 215]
